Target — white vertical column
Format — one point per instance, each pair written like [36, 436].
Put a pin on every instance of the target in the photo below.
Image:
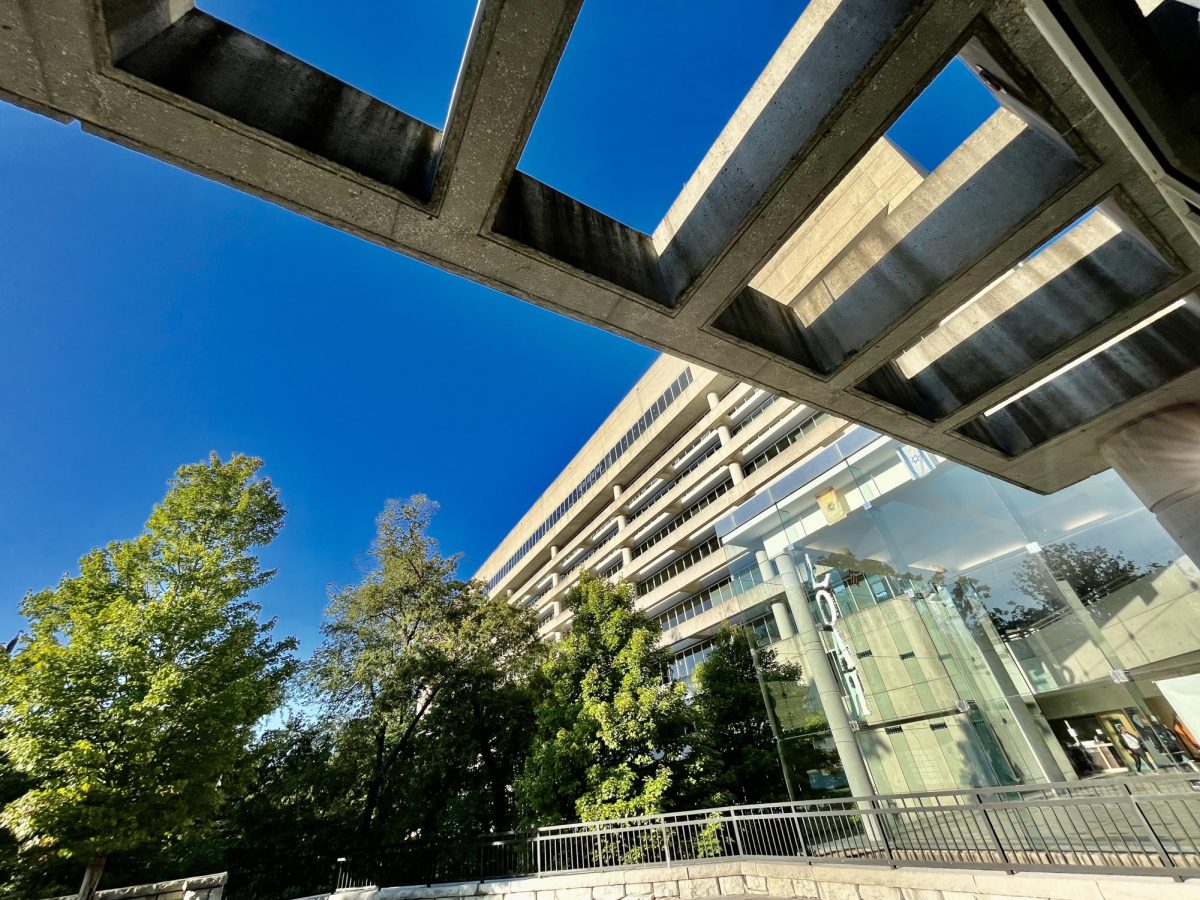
[1159, 458]
[779, 608]
[820, 673]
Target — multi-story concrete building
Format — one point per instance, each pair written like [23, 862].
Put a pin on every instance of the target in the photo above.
[952, 629]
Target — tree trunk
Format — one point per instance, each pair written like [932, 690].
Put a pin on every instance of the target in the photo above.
[497, 783]
[374, 789]
[91, 877]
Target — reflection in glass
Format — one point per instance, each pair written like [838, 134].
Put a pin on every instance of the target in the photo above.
[976, 634]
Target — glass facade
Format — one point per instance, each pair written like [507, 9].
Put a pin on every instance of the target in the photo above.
[974, 633]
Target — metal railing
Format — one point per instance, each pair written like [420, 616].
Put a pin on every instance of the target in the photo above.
[1142, 825]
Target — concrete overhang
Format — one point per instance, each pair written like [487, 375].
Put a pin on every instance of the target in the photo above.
[903, 317]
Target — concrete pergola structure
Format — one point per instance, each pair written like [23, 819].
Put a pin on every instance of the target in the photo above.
[931, 319]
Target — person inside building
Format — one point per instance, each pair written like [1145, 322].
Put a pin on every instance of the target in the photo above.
[1186, 738]
[1134, 745]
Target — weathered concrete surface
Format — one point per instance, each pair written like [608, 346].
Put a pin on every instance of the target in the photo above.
[749, 878]
[1092, 274]
[1153, 358]
[166, 79]
[1159, 458]
[987, 187]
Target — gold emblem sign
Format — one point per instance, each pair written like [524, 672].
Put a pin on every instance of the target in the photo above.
[832, 505]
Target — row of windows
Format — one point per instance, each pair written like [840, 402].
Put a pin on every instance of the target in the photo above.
[763, 407]
[532, 600]
[596, 548]
[678, 386]
[612, 568]
[784, 442]
[697, 603]
[682, 455]
[685, 663]
[706, 500]
[765, 629]
[670, 485]
[758, 395]
[650, 488]
[669, 571]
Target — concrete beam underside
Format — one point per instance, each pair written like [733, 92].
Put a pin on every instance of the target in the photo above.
[130, 71]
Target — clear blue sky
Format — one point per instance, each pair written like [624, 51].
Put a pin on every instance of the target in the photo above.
[148, 316]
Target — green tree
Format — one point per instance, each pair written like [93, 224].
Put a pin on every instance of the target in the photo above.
[410, 666]
[610, 737]
[1093, 572]
[735, 756]
[134, 696]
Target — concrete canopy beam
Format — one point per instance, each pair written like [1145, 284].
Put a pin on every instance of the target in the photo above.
[967, 205]
[165, 79]
[510, 59]
[840, 76]
[221, 68]
[1089, 275]
[1141, 362]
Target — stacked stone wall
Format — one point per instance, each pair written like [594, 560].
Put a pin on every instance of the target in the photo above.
[785, 880]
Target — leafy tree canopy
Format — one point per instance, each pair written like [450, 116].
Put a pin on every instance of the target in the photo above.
[417, 670]
[135, 694]
[610, 736]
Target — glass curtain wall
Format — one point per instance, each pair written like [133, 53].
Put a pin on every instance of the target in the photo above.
[946, 630]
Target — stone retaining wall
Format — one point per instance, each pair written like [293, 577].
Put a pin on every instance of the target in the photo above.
[199, 887]
[750, 878]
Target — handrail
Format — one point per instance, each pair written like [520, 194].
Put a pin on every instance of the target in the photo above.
[1135, 825]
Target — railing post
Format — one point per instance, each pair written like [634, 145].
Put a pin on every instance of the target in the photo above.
[995, 836]
[796, 814]
[537, 846]
[881, 826]
[662, 824]
[737, 833]
[1141, 815]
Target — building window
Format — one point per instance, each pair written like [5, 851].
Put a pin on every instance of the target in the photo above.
[669, 571]
[678, 386]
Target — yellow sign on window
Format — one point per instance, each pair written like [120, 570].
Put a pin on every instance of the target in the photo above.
[832, 505]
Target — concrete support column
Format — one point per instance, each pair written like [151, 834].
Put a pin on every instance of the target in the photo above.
[724, 434]
[713, 400]
[626, 556]
[553, 579]
[736, 473]
[1159, 458]
[553, 550]
[819, 671]
[779, 608]
[617, 489]
[621, 521]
